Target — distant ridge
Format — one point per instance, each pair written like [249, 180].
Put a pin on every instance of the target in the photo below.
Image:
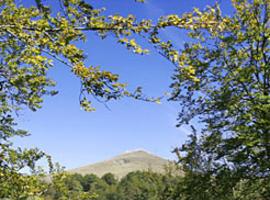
[121, 165]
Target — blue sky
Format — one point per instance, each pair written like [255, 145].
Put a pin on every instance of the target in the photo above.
[74, 137]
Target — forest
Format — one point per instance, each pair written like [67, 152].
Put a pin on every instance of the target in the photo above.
[145, 185]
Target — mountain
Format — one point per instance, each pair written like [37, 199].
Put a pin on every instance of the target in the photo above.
[123, 164]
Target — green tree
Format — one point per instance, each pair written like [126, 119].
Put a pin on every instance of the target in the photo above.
[63, 186]
[109, 178]
[222, 80]
[31, 38]
[169, 188]
[140, 186]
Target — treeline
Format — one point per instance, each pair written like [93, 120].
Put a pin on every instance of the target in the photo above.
[148, 185]
[135, 185]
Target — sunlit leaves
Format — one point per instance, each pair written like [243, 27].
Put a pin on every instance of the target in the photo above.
[30, 39]
[131, 44]
[222, 79]
[36, 35]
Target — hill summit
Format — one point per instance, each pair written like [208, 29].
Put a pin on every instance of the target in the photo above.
[121, 165]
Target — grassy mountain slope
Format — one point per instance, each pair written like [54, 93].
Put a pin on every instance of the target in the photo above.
[125, 163]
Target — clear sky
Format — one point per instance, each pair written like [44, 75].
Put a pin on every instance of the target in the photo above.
[74, 137]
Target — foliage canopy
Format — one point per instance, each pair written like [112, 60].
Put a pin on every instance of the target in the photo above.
[31, 38]
[222, 80]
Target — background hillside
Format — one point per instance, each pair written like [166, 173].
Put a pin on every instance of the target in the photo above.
[123, 164]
